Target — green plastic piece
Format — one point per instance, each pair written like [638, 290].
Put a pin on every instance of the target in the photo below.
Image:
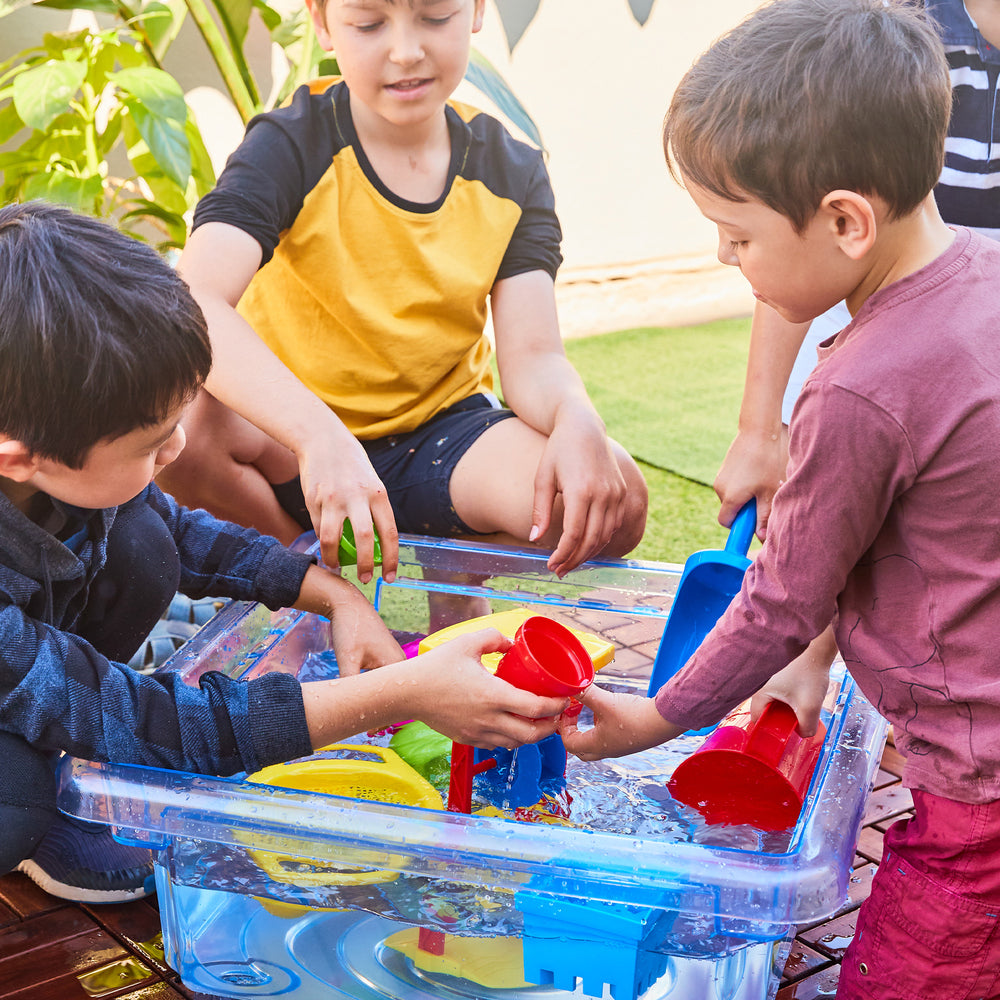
[347, 553]
[425, 750]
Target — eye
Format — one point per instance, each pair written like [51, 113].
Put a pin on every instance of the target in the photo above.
[736, 244]
[369, 27]
[438, 22]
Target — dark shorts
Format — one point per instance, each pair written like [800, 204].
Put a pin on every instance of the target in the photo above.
[416, 468]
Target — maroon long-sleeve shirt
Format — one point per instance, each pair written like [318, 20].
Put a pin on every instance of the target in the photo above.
[889, 524]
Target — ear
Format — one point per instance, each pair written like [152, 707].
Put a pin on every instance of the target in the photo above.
[853, 221]
[477, 16]
[17, 463]
[318, 17]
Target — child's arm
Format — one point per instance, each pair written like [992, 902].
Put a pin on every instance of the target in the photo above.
[544, 390]
[360, 638]
[623, 724]
[627, 723]
[338, 481]
[755, 462]
[447, 688]
[802, 684]
[225, 559]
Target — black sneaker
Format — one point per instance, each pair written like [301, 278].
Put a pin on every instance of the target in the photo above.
[83, 863]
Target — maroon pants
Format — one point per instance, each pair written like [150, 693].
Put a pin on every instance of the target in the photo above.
[931, 928]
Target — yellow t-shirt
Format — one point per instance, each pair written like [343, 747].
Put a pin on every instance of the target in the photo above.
[378, 304]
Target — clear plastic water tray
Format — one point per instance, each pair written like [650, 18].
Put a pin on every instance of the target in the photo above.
[621, 900]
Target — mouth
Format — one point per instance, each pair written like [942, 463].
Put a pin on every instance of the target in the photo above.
[407, 86]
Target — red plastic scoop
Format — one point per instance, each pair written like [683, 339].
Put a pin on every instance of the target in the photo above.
[750, 772]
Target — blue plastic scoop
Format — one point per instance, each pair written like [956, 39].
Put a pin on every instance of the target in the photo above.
[711, 579]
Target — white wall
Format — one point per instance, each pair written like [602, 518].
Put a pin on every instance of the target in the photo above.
[636, 250]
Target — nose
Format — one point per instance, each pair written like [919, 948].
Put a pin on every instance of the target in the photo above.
[171, 448]
[407, 47]
[727, 252]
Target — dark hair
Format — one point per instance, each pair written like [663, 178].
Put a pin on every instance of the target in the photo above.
[98, 335]
[808, 96]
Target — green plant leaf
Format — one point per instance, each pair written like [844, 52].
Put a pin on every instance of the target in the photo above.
[484, 75]
[128, 52]
[43, 93]
[81, 193]
[10, 121]
[236, 15]
[107, 139]
[162, 22]
[62, 44]
[18, 162]
[142, 208]
[168, 195]
[292, 29]
[95, 6]
[165, 191]
[158, 93]
[103, 58]
[166, 140]
[202, 171]
[271, 18]
[19, 63]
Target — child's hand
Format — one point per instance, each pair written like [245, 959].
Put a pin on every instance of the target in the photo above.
[448, 689]
[802, 684]
[358, 636]
[754, 466]
[623, 724]
[339, 482]
[456, 695]
[578, 465]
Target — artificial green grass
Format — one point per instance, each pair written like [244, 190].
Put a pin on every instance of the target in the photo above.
[670, 396]
[682, 518]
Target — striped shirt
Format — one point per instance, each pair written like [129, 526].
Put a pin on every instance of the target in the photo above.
[968, 193]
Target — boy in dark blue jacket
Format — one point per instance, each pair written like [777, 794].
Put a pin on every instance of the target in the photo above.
[101, 349]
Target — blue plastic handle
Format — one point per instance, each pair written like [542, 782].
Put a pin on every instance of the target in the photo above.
[741, 531]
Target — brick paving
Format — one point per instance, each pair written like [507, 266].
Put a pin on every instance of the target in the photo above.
[53, 950]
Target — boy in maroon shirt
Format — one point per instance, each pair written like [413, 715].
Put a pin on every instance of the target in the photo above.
[812, 135]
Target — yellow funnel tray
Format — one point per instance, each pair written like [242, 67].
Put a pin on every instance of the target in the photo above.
[357, 772]
[507, 623]
[495, 963]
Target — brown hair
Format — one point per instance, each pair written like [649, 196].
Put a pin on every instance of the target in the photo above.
[808, 96]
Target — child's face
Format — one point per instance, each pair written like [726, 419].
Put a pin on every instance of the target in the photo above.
[799, 275]
[116, 469]
[401, 60]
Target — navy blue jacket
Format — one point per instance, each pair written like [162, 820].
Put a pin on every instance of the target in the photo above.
[59, 693]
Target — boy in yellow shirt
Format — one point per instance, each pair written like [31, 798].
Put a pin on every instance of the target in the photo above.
[361, 232]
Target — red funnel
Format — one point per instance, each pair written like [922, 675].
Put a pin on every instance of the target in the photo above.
[546, 659]
[750, 772]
